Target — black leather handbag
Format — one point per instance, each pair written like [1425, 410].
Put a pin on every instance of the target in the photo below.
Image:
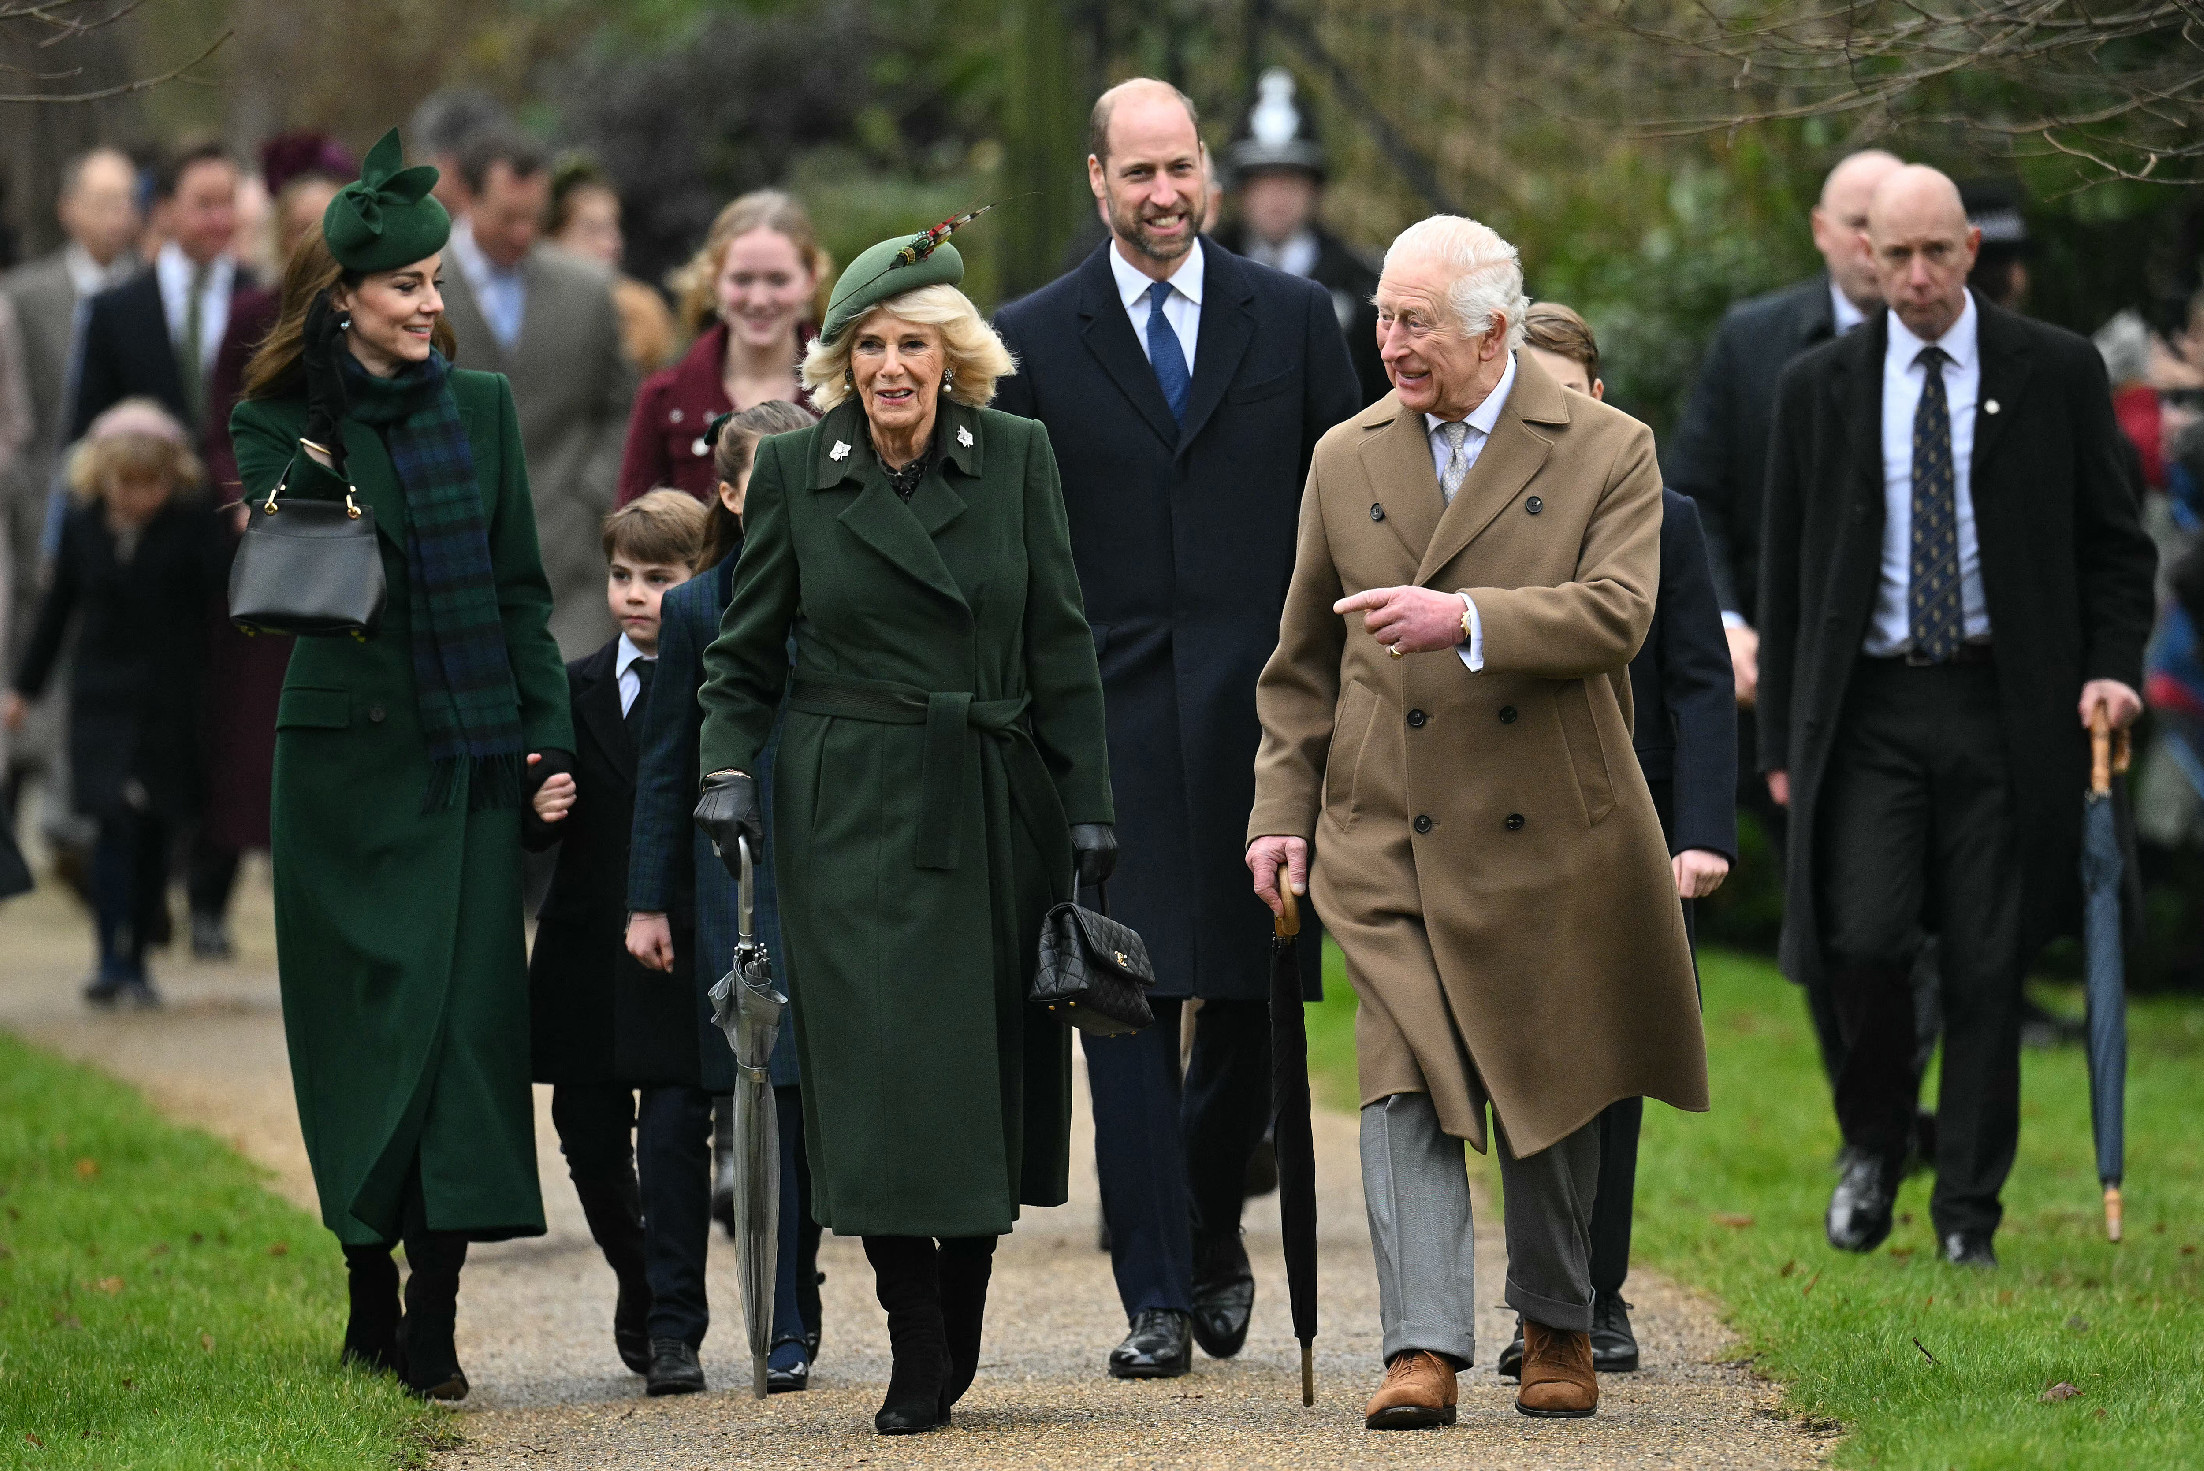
[1095, 972]
[308, 567]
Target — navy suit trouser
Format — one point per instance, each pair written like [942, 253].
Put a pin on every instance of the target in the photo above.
[1171, 1151]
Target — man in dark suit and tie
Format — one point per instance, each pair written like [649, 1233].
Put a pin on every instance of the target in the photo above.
[156, 335]
[1184, 390]
[1955, 582]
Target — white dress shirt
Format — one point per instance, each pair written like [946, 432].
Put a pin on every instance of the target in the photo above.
[88, 277]
[174, 271]
[1182, 309]
[1481, 421]
[1296, 255]
[1841, 311]
[501, 292]
[631, 683]
[1889, 631]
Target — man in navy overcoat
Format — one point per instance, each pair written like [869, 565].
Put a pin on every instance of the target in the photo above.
[1184, 389]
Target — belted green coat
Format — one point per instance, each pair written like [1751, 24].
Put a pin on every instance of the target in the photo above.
[944, 729]
[399, 932]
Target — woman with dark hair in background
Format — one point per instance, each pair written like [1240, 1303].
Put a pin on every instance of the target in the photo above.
[402, 762]
[585, 220]
[682, 904]
[751, 293]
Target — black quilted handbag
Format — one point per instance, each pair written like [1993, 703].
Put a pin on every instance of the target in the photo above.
[1094, 971]
[308, 567]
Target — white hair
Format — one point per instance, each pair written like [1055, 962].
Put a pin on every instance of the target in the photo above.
[1488, 276]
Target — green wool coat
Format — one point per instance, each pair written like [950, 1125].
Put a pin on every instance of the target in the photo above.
[944, 729]
[399, 932]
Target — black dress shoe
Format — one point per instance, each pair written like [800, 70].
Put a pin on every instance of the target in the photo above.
[1969, 1249]
[1159, 1347]
[1511, 1357]
[1614, 1346]
[1224, 1295]
[630, 1325]
[673, 1368]
[1859, 1208]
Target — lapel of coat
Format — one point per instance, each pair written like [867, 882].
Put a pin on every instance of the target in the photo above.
[936, 502]
[1512, 455]
[469, 327]
[1858, 386]
[598, 699]
[878, 517]
[1397, 460]
[1108, 334]
[2001, 350]
[1227, 327]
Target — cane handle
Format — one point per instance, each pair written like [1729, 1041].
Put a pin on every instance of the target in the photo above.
[1288, 922]
[2100, 752]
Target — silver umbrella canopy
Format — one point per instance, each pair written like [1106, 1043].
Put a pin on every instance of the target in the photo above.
[747, 1007]
[2106, 965]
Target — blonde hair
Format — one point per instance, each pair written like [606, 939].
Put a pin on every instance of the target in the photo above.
[696, 284]
[1487, 274]
[661, 526]
[976, 355]
[136, 438]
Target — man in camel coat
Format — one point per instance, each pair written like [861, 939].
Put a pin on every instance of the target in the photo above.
[1446, 764]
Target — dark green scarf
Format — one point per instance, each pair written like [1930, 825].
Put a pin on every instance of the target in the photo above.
[463, 677]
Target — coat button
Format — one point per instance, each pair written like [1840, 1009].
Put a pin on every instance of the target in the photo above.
[1377, 512]
[699, 448]
[1423, 823]
[674, 417]
[1514, 824]
[1416, 719]
[376, 713]
[1507, 715]
[1534, 505]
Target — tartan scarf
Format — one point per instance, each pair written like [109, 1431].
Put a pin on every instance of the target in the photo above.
[462, 675]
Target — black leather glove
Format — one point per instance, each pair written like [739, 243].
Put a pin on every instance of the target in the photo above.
[1093, 852]
[320, 349]
[728, 810]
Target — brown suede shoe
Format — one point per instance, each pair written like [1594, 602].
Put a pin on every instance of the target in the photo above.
[1558, 1382]
[1418, 1393]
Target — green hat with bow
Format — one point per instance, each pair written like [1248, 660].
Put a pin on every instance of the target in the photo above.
[386, 218]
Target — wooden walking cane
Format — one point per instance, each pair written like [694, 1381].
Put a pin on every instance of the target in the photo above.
[2110, 753]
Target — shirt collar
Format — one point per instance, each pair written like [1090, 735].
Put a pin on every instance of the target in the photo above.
[176, 268]
[1132, 285]
[478, 266]
[1843, 315]
[1487, 414]
[628, 655]
[1958, 341]
[88, 275]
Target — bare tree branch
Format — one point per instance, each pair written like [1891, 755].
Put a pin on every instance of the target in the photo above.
[122, 89]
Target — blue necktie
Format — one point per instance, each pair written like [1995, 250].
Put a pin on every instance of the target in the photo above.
[1164, 352]
[1934, 618]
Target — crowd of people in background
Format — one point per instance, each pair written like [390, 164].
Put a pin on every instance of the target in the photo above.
[1220, 637]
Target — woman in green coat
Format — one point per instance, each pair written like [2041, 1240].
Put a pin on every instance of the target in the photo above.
[401, 764]
[941, 771]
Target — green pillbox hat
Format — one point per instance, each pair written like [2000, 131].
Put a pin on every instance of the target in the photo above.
[386, 218]
[889, 269]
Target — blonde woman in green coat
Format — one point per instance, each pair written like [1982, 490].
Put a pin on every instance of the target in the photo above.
[401, 764]
[941, 771]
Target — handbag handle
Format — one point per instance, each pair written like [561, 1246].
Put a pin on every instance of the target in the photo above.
[283, 483]
[1101, 894]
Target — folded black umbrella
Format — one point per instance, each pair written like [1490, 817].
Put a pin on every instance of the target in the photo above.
[1296, 1143]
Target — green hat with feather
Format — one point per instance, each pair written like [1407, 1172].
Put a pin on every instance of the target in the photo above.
[894, 266]
[386, 218]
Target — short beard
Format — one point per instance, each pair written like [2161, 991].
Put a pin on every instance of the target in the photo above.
[1128, 227]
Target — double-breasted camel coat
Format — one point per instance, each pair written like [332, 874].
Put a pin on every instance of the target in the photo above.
[1484, 847]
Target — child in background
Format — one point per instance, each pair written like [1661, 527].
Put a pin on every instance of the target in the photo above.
[140, 554]
[600, 1025]
[683, 903]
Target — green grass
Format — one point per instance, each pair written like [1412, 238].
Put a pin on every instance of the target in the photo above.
[159, 1308]
[1732, 1201]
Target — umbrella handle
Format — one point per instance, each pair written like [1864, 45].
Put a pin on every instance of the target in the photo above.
[2112, 1213]
[2100, 753]
[1288, 924]
[746, 895]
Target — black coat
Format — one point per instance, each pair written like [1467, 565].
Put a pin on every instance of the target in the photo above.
[2066, 574]
[1351, 280]
[1719, 453]
[126, 353]
[134, 683]
[1685, 695]
[1184, 541]
[596, 1015]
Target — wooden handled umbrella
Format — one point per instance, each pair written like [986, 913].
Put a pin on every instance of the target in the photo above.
[1296, 1143]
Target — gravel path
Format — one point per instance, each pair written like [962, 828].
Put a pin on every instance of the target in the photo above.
[535, 1315]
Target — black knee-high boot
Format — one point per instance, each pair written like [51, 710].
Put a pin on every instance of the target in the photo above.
[966, 1263]
[906, 1276]
[433, 1260]
[371, 1333]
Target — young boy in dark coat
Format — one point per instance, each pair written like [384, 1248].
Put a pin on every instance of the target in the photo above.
[141, 554]
[1686, 742]
[602, 1026]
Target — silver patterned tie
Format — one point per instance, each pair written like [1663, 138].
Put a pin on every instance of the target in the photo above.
[1457, 463]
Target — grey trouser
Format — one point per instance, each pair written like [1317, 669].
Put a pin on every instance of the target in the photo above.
[1416, 1186]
